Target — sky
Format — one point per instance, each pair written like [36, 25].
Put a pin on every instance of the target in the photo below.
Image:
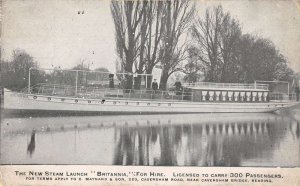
[55, 34]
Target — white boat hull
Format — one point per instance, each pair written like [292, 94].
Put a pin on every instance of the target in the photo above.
[30, 102]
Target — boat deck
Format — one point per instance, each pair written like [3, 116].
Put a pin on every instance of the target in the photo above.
[187, 94]
[112, 93]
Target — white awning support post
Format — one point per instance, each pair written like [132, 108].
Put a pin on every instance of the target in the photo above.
[223, 96]
[248, 94]
[203, 95]
[254, 94]
[211, 95]
[29, 81]
[230, 93]
[146, 82]
[236, 95]
[242, 96]
[260, 94]
[218, 95]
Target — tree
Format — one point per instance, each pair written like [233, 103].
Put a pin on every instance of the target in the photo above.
[230, 33]
[225, 54]
[14, 73]
[102, 74]
[177, 15]
[215, 38]
[143, 27]
[155, 33]
[127, 16]
[192, 68]
[260, 60]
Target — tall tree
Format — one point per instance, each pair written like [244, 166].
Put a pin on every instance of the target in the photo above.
[260, 60]
[215, 37]
[193, 67]
[230, 33]
[127, 16]
[143, 27]
[155, 33]
[177, 15]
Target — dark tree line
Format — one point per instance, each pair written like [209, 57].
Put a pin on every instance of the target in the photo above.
[223, 53]
[14, 73]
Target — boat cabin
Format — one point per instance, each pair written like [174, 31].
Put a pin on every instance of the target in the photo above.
[235, 92]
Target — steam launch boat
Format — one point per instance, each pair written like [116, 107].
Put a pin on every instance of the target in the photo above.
[91, 97]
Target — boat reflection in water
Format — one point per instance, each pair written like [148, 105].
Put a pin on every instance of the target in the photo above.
[183, 140]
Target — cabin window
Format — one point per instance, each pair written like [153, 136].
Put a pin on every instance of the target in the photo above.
[62, 99]
[103, 100]
[137, 103]
[34, 97]
[115, 102]
[89, 101]
[76, 100]
[49, 99]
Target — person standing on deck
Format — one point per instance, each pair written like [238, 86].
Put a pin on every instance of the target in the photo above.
[297, 91]
[154, 85]
[178, 87]
[111, 81]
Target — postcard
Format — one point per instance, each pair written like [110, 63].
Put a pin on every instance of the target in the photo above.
[146, 92]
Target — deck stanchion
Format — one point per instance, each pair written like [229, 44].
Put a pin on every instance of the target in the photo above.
[146, 81]
[76, 83]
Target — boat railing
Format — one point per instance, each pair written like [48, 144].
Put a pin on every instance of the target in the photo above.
[240, 86]
[103, 92]
[276, 96]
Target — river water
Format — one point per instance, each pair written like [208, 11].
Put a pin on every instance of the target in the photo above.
[180, 140]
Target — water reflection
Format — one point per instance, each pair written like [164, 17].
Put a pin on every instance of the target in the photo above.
[196, 144]
[31, 145]
[184, 140]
